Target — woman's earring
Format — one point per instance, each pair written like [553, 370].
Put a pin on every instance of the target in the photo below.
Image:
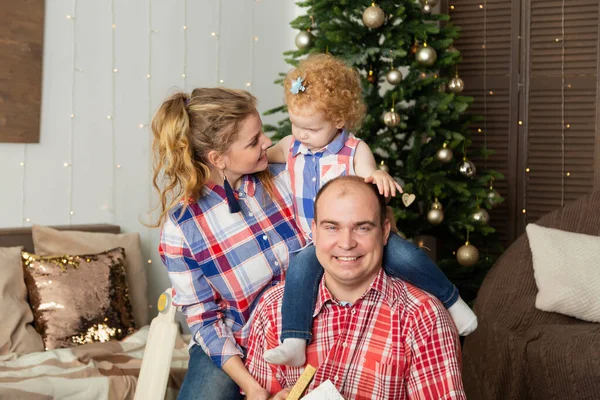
[232, 202]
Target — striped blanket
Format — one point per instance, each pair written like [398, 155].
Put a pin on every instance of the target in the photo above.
[104, 371]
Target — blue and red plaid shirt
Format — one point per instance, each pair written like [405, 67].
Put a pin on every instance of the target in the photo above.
[220, 263]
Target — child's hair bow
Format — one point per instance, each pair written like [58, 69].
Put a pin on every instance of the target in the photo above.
[297, 86]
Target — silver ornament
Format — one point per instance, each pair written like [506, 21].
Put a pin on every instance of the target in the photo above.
[456, 85]
[373, 17]
[426, 56]
[493, 197]
[467, 255]
[304, 40]
[427, 8]
[467, 168]
[391, 119]
[394, 76]
[444, 154]
[432, 3]
[481, 216]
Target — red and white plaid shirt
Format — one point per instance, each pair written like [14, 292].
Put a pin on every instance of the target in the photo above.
[395, 342]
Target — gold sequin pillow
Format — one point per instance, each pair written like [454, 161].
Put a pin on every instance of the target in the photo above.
[79, 299]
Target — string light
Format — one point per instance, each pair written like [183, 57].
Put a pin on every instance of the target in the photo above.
[71, 141]
[149, 118]
[562, 95]
[252, 45]
[216, 35]
[113, 140]
[185, 45]
[22, 163]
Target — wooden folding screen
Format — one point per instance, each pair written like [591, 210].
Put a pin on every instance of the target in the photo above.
[532, 67]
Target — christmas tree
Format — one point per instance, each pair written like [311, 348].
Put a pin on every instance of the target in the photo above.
[415, 125]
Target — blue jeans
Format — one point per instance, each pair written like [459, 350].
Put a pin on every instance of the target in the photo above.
[401, 259]
[205, 381]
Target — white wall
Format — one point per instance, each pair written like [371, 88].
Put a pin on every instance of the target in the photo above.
[99, 167]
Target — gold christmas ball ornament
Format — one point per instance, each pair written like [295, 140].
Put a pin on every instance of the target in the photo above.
[435, 217]
[493, 197]
[467, 255]
[467, 168]
[304, 40]
[373, 17]
[391, 119]
[444, 154]
[426, 56]
[393, 76]
[481, 216]
[456, 85]
[383, 167]
[371, 77]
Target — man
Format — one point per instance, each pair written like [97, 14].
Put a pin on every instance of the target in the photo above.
[374, 337]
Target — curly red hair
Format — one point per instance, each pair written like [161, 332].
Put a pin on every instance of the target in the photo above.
[332, 87]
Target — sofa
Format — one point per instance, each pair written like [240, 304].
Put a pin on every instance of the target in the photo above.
[98, 370]
[521, 352]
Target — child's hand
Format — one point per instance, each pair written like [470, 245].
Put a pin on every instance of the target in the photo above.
[385, 183]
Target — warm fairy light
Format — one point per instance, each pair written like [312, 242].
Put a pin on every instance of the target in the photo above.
[149, 261]
[527, 169]
[70, 16]
[248, 84]
[479, 130]
[568, 174]
[114, 26]
[115, 70]
[72, 115]
[220, 80]
[213, 34]
[520, 122]
[256, 38]
[568, 126]
[66, 164]
[491, 92]
[118, 165]
[523, 211]
[27, 219]
[72, 212]
[22, 164]
[183, 75]
[141, 126]
[148, 76]
[184, 27]
[481, 6]
[452, 7]
[108, 117]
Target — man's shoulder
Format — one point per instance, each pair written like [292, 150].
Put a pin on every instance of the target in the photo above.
[415, 300]
[271, 300]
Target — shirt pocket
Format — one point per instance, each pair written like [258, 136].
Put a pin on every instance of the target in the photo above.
[332, 171]
[387, 379]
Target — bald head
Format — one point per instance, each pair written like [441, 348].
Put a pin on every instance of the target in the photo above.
[344, 185]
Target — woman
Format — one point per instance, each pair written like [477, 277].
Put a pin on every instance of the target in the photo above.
[227, 229]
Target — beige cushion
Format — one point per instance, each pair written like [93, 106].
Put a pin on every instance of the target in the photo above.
[16, 332]
[48, 241]
[567, 272]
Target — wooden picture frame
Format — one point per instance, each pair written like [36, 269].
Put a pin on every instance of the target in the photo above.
[21, 54]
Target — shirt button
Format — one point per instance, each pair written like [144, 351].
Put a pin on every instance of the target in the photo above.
[335, 378]
[353, 312]
[344, 345]
[276, 263]
[363, 360]
[314, 179]
[250, 214]
[265, 237]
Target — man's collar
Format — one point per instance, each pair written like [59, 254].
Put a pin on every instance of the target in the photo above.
[381, 284]
[334, 147]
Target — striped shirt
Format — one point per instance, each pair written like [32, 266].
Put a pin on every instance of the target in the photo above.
[395, 342]
[309, 171]
[220, 263]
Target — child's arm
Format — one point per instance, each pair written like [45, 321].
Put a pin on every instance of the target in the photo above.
[365, 167]
[278, 152]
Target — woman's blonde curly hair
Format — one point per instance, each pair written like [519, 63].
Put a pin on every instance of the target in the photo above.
[332, 87]
[186, 128]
